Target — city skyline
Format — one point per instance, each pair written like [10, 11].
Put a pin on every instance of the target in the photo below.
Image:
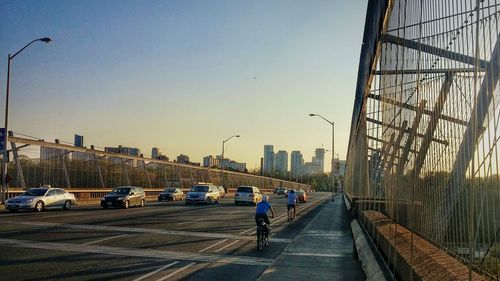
[123, 73]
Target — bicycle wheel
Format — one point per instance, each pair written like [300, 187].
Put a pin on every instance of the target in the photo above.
[260, 240]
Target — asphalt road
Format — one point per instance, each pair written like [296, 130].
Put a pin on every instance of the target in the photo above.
[162, 241]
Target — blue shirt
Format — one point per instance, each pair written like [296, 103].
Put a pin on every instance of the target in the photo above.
[292, 197]
[262, 207]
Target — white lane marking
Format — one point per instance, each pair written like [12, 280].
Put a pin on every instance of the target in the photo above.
[186, 222]
[137, 230]
[156, 271]
[228, 245]
[318, 255]
[104, 239]
[145, 253]
[177, 271]
[211, 246]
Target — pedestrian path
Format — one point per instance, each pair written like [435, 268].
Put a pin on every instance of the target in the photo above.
[323, 250]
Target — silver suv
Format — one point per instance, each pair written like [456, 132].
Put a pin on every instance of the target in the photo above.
[203, 193]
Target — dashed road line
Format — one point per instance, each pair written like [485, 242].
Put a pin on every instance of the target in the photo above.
[177, 271]
[186, 222]
[211, 246]
[156, 271]
[144, 253]
[104, 239]
[228, 245]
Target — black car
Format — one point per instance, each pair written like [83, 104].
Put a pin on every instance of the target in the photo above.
[124, 197]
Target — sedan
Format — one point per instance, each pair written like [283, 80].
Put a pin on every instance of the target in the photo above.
[302, 196]
[171, 194]
[38, 199]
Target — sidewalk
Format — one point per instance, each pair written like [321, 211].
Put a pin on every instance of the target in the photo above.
[323, 250]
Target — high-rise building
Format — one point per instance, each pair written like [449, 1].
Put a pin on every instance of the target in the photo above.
[297, 162]
[320, 158]
[155, 152]
[183, 159]
[281, 162]
[208, 161]
[78, 140]
[268, 159]
[342, 167]
[77, 155]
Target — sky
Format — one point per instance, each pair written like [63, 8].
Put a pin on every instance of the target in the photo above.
[184, 75]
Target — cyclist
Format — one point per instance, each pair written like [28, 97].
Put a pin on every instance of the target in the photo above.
[261, 211]
[292, 201]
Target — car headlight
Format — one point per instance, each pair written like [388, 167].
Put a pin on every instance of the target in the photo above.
[119, 198]
[28, 201]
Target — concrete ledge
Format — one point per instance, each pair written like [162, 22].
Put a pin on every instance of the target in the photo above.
[422, 262]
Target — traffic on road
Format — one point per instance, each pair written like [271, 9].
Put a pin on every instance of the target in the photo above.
[165, 240]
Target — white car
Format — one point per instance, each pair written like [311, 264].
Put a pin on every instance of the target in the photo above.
[247, 194]
[38, 199]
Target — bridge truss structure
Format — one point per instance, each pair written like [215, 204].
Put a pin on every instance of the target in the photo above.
[38, 162]
[424, 144]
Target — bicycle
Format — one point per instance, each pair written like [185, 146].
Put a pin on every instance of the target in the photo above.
[292, 213]
[262, 234]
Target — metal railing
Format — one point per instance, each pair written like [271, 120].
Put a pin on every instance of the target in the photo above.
[424, 145]
[38, 162]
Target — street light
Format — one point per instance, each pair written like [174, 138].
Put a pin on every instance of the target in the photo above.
[222, 160]
[6, 133]
[333, 147]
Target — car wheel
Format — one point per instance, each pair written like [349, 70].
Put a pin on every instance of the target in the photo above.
[143, 203]
[67, 205]
[126, 204]
[209, 201]
[39, 206]
[159, 200]
[104, 207]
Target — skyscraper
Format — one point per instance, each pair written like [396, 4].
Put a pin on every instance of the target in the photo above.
[281, 162]
[155, 152]
[320, 158]
[268, 159]
[297, 162]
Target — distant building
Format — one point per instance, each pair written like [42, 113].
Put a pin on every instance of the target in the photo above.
[183, 159]
[162, 157]
[155, 152]
[320, 158]
[312, 168]
[52, 154]
[342, 167]
[124, 150]
[281, 162]
[78, 140]
[297, 163]
[82, 156]
[268, 159]
[208, 161]
[132, 151]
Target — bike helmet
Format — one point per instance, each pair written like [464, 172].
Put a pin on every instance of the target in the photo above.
[264, 198]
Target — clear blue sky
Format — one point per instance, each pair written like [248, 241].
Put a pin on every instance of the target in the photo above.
[184, 75]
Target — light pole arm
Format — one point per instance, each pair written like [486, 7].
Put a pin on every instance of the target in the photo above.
[12, 56]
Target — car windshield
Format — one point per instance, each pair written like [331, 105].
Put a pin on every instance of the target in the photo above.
[35, 192]
[169, 189]
[300, 192]
[121, 190]
[200, 188]
[245, 189]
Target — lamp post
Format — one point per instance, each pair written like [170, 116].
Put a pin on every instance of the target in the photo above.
[6, 132]
[333, 147]
[222, 160]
